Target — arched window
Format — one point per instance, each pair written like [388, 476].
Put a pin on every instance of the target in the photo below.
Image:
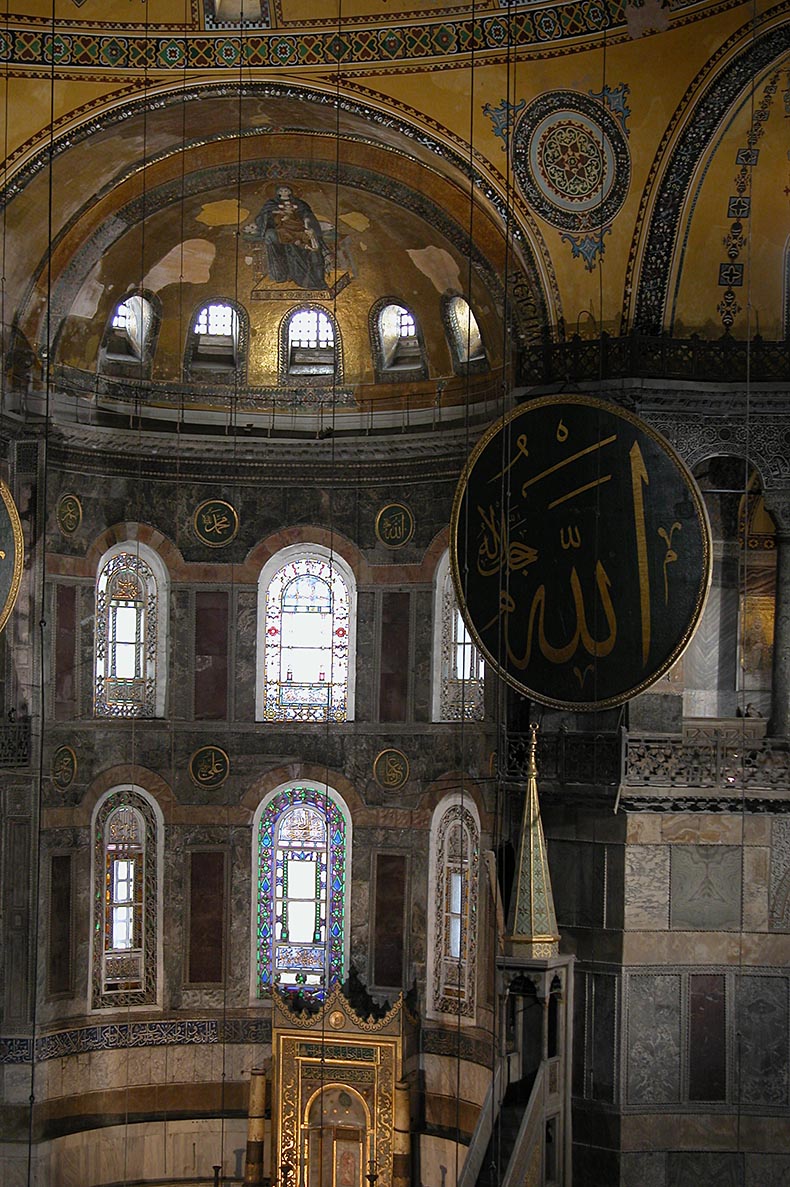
[309, 345]
[131, 633]
[464, 337]
[302, 848]
[458, 667]
[127, 879]
[130, 337]
[215, 346]
[306, 637]
[398, 348]
[452, 921]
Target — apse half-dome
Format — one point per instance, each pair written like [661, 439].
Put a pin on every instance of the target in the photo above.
[250, 269]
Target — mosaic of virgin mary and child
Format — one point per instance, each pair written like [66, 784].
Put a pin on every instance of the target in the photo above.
[293, 241]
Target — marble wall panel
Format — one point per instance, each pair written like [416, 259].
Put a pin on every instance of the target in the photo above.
[653, 1038]
[590, 883]
[182, 654]
[615, 886]
[244, 638]
[141, 1152]
[755, 887]
[603, 1036]
[692, 1168]
[422, 653]
[647, 1168]
[705, 886]
[366, 673]
[767, 1170]
[86, 618]
[562, 866]
[762, 1012]
[646, 887]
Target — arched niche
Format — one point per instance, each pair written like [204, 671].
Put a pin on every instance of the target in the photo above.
[727, 665]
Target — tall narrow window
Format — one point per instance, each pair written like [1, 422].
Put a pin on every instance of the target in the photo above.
[306, 612]
[127, 831]
[458, 667]
[452, 924]
[131, 633]
[310, 343]
[302, 839]
[463, 332]
[397, 343]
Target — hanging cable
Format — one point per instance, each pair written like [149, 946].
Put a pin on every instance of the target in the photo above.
[37, 793]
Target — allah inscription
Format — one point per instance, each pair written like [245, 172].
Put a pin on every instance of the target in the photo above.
[580, 552]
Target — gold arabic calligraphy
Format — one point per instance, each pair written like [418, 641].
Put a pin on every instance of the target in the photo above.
[500, 553]
[210, 767]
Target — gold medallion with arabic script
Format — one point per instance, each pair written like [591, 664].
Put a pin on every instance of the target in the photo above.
[391, 769]
[395, 525]
[68, 514]
[216, 523]
[209, 767]
[580, 552]
[64, 767]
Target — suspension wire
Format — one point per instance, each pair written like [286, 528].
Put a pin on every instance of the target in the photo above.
[501, 1003]
[241, 348]
[743, 572]
[466, 852]
[40, 505]
[323, 905]
[137, 422]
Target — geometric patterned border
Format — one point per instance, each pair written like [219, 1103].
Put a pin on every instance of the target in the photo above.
[719, 95]
[437, 1041]
[319, 47]
[113, 1036]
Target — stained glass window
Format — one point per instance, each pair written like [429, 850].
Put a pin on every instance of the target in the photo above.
[301, 859]
[455, 860]
[307, 640]
[127, 830]
[459, 670]
[129, 668]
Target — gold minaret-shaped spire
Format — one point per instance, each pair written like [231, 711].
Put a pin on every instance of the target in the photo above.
[533, 922]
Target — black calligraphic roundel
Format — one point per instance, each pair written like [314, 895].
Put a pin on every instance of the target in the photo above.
[580, 551]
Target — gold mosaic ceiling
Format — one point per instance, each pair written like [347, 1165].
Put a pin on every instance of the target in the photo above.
[629, 163]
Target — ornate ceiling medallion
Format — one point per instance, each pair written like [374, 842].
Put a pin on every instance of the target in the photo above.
[572, 164]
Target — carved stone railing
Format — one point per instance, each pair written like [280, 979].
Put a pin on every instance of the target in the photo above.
[567, 758]
[655, 357]
[702, 758]
[15, 744]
